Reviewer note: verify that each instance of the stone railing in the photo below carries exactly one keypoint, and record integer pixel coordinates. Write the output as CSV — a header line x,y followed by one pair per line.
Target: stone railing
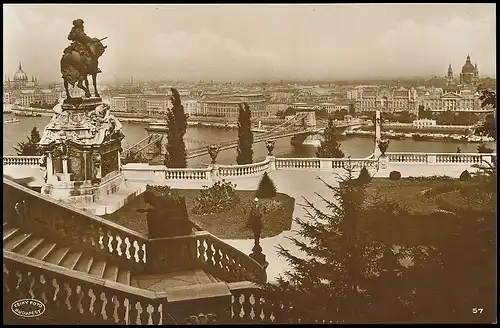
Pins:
x,y
188,174
226,262
24,206
22,160
297,163
202,249
467,159
72,297
243,170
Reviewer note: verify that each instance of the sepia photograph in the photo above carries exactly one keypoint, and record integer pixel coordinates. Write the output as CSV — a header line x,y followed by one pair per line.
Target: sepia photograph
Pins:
x,y
210,164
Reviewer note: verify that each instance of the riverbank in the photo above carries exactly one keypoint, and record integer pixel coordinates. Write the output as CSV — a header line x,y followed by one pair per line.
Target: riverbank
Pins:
x,y
420,136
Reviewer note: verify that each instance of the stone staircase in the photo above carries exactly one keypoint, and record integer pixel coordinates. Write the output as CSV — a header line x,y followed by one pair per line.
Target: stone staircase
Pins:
x,y
27,243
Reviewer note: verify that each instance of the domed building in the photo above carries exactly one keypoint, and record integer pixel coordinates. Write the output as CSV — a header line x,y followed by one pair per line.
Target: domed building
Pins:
x,y
20,76
470,73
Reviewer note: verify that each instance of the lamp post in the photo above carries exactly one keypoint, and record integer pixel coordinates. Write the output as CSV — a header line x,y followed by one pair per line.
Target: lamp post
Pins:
x,y
270,146
255,223
213,151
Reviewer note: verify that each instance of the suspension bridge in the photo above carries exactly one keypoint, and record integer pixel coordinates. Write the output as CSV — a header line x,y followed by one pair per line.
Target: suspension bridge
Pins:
x,y
153,147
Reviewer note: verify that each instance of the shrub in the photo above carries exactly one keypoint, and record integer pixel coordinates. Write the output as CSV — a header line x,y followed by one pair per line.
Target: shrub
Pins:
x,y
465,176
218,198
395,175
266,188
364,176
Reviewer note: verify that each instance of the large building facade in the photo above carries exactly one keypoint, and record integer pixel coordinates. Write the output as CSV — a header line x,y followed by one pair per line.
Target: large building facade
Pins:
x,y
24,91
227,105
386,100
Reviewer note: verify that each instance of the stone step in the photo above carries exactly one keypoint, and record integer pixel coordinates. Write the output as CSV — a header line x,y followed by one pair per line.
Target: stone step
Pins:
x,y
57,255
30,246
97,268
26,243
84,263
124,277
8,232
110,272
43,251
17,240
70,260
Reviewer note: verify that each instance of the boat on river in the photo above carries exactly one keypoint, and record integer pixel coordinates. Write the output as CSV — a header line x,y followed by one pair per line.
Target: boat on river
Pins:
x,y
28,114
14,120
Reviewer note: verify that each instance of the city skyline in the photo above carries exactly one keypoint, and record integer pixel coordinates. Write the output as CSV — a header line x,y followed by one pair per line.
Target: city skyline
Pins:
x,y
257,42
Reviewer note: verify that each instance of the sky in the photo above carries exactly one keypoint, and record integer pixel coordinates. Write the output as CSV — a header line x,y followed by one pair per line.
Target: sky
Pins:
x,y
256,42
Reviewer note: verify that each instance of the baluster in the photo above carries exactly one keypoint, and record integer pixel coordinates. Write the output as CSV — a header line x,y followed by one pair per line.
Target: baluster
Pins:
x,y
73,300
121,310
247,307
156,314
141,253
25,285
86,302
237,308
210,254
97,309
123,247
217,259
114,244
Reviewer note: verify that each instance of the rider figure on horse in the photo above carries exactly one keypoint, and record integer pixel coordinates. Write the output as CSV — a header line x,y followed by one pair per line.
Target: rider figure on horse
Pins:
x,y
81,42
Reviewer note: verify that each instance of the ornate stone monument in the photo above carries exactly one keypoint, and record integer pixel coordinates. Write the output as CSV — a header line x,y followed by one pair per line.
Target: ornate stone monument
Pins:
x,y
82,141
82,146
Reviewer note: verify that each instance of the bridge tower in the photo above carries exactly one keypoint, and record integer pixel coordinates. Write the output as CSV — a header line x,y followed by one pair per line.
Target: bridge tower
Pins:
x,y
82,145
309,120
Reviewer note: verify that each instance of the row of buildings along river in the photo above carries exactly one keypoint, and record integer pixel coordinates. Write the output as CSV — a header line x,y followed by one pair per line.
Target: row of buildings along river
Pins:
x,y
449,93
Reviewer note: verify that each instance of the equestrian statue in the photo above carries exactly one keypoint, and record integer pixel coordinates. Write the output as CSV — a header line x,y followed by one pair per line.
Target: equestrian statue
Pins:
x,y
80,59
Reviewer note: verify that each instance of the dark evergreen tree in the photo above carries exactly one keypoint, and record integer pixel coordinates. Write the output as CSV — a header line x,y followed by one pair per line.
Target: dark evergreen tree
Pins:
x,y
330,146
346,275
245,136
266,188
177,125
30,147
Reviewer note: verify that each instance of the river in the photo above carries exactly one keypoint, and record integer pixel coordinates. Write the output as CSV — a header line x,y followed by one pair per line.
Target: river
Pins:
x,y
357,147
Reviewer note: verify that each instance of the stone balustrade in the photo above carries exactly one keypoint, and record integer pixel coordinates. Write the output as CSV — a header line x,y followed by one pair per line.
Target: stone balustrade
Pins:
x,y
159,173
243,170
22,160
24,206
297,163
467,159
187,174
72,297
226,262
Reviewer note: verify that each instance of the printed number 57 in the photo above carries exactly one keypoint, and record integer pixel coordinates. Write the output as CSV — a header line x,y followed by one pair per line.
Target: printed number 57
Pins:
x,y
477,310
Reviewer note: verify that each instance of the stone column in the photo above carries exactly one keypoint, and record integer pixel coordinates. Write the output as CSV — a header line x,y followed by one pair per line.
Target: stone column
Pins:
x,y
65,165
272,163
378,134
50,168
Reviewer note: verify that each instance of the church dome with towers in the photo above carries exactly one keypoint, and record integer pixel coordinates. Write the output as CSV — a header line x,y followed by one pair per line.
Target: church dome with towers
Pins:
x,y
468,68
20,75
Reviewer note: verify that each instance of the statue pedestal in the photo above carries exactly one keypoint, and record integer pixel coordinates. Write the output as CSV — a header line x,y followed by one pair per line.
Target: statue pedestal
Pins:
x,y
258,256
80,192
82,145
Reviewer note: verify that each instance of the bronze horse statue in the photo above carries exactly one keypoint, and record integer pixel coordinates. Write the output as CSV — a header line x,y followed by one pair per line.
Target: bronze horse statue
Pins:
x,y
75,68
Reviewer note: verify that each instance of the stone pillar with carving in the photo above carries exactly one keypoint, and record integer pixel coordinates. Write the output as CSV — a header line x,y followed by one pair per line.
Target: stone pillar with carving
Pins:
x,y
378,133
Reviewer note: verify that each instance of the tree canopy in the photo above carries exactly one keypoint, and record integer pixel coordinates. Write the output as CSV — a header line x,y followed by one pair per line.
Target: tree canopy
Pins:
x,y
30,147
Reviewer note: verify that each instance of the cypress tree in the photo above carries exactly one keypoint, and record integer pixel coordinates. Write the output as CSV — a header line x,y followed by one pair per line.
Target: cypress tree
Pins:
x,y
177,125
245,136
